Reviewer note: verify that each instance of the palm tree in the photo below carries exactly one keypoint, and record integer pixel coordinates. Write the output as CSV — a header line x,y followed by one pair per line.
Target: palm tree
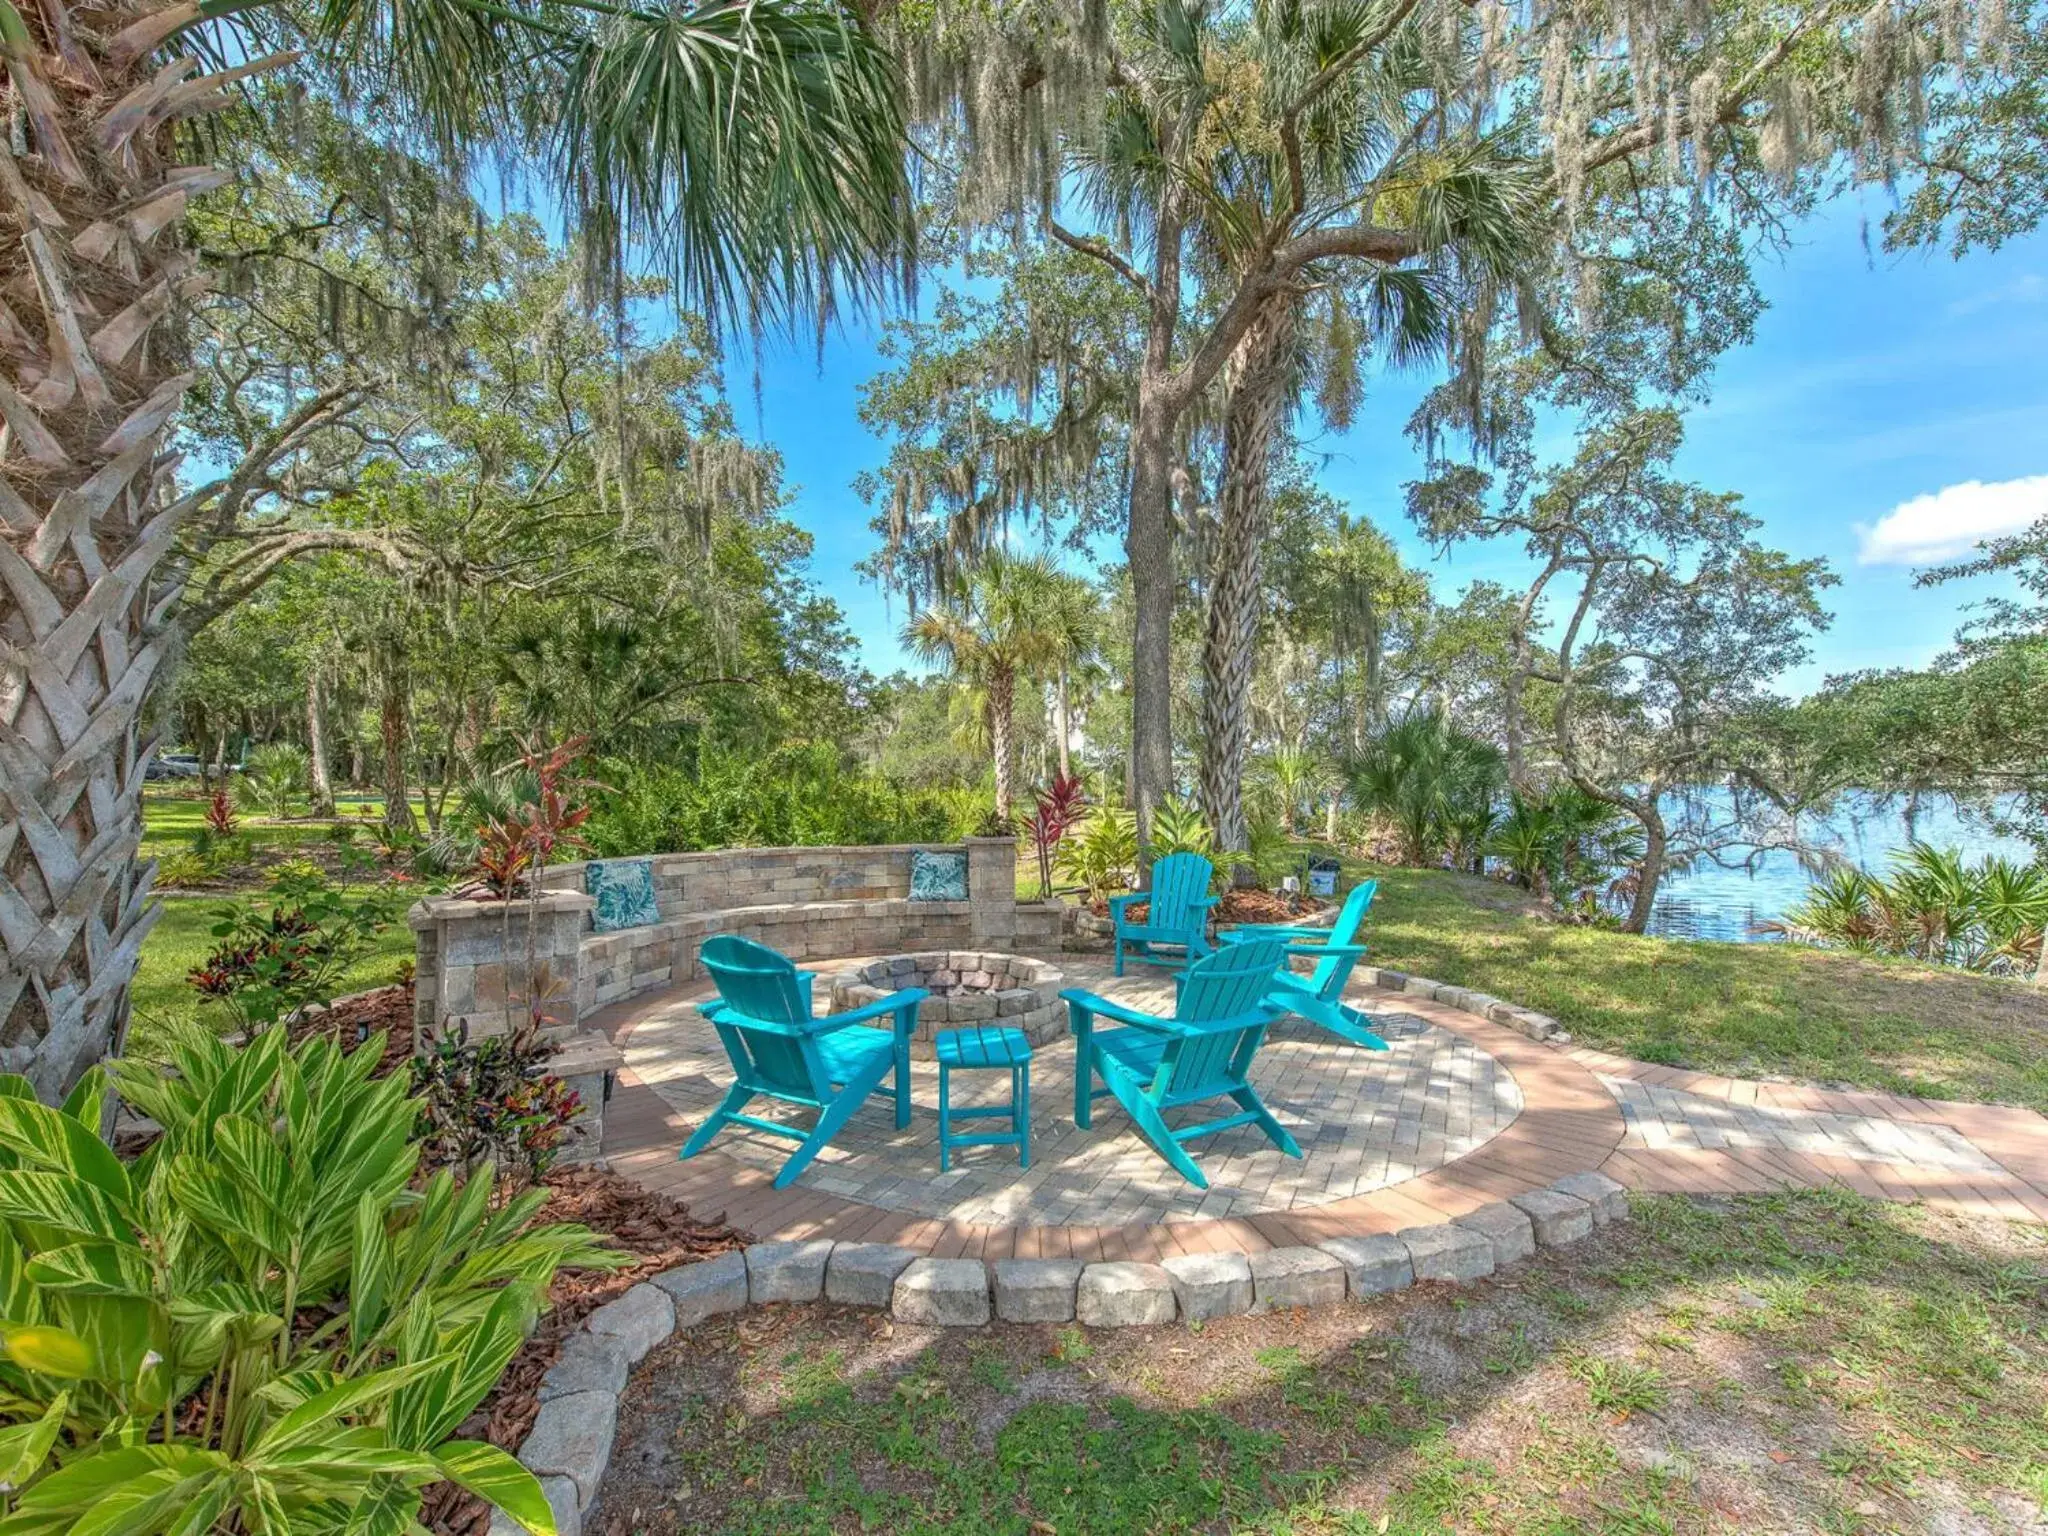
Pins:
x,y
753,150
994,629
1073,618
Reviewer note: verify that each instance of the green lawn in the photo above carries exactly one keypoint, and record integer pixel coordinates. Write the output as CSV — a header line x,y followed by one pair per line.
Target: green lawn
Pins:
x,y
182,938
171,818
1805,1362
1744,1009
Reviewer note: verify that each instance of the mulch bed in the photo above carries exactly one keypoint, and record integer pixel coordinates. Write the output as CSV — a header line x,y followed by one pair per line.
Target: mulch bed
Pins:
x,y
1235,907
353,1020
659,1230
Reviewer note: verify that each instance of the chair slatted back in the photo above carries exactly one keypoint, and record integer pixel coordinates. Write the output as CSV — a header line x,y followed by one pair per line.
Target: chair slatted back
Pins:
x,y
1179,881
1228,984
759,985
1332,971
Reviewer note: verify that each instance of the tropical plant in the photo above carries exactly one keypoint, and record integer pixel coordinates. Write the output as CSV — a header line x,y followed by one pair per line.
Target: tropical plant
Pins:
x,y
274,776
261,1323
1056,809
1529,842
514,848
992,630
1102,855
1427,779
1179,827
220,814
755,151
1932,907
492,1101
277,956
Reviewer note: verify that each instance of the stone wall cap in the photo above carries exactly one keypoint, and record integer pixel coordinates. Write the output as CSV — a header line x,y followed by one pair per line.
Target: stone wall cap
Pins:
x,y
442,909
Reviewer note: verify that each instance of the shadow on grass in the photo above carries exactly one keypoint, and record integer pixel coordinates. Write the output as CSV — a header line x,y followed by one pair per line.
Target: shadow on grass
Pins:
x,y
1798,1362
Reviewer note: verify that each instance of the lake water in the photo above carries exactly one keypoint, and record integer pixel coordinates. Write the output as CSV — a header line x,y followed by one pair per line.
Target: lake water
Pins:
x,y
1726,904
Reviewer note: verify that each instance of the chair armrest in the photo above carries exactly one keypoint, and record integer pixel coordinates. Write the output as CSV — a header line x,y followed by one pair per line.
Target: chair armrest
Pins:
x,y
909,997
1204,901
1103,1008
1302,931
1317,951
1118,903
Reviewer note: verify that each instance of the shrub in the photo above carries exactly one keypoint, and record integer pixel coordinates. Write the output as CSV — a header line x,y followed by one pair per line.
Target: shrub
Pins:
x,y
1055,809
1932,908
1102,854
259,1323
220,814
492,1100
792,797
275,775
271,963
1178,827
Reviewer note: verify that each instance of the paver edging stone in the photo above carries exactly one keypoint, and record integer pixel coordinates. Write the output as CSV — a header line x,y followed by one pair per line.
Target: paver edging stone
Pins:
x,y
570,1445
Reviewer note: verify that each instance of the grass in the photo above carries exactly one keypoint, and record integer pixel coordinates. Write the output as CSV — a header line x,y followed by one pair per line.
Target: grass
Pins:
x,y
1743,1009
183,937
1799,1362
171,818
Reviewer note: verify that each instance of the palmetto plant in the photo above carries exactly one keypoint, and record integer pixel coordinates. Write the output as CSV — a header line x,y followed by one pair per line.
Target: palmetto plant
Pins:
x,y
1932,907
1101,854
1428,780
1178,827
273,777
751,148
261,1324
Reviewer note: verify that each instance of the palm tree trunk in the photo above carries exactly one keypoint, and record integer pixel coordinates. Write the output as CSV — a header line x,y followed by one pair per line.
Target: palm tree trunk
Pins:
x,y
1148,544
318,780
1252,421
87,517
1002,702
1063,713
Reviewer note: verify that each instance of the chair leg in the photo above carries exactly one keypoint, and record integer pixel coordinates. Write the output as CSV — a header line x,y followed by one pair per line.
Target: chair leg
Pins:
x,y
945,1119
1248,1098
1119,954
1084,1074
1020,1113
1152,1125
831,1122
904,1025
734,1101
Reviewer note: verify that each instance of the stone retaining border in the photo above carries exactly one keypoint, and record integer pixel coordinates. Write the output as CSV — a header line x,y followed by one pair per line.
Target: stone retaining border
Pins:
x,y
570,1444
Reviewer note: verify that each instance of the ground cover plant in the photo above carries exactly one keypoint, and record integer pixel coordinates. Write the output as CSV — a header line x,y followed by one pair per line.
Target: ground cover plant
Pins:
x,y
1806,1362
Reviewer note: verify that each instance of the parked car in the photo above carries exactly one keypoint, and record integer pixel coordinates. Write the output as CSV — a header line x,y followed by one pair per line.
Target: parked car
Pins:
x,y
172,765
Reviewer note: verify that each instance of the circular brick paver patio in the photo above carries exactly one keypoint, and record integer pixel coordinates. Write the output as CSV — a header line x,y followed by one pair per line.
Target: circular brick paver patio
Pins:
x,y
1365,1120
1530,1113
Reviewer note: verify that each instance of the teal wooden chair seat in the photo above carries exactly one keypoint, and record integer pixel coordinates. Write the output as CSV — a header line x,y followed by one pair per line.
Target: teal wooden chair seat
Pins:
x,y
1319,996
1176,911
985,1047
1154,1065
778,1051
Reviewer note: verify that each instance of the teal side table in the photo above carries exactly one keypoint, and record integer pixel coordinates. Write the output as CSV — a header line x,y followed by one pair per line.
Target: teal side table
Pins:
x,y
979,1046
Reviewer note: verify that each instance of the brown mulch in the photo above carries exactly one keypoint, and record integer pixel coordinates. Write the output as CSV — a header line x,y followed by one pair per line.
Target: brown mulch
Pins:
x,y
353,1020
1235,907
659,1230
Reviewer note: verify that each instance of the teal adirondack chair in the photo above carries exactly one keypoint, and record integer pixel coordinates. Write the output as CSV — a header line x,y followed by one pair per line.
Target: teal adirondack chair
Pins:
x,y
1177,911
763,1018
1203,1052
1336,951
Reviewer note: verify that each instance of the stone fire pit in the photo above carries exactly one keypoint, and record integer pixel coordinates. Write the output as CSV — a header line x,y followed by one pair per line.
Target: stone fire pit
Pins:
x,y
966,988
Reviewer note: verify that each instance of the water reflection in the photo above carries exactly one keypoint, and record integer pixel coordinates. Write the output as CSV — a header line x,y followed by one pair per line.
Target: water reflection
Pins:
x,y
1727,904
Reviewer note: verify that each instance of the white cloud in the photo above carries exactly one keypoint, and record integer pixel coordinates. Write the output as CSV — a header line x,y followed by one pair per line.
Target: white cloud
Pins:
x,y
1952,521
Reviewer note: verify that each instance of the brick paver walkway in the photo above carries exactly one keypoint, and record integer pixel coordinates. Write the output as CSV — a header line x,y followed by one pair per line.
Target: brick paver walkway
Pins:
x,y
1463,1111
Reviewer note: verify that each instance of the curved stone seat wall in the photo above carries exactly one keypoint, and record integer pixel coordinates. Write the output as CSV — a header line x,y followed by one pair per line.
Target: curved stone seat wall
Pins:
x,y
809,903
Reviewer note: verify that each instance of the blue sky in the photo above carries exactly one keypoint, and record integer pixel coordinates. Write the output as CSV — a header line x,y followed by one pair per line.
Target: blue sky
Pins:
x,y
1880,419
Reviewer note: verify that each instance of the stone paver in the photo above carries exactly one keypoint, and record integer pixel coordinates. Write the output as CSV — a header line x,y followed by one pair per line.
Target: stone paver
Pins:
x,y
952,1293
1448,1252
589,1362
572,1437
1373,1265
1367,1119
1035,1290
1507,1227
786,1271
1558,1218
1125,1295
1608,1197
639,1320
705,1289
1295,1277
864,1274
1210,1284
